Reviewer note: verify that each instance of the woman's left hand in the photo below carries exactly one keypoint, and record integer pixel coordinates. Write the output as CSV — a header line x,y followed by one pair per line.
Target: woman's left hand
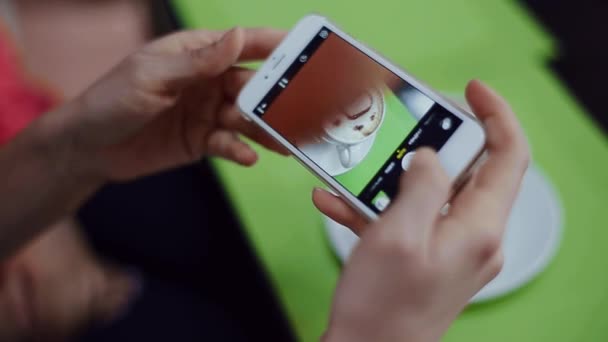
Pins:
x,y
170,104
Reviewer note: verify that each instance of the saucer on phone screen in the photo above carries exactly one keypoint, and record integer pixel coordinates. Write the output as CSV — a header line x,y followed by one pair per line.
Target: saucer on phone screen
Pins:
x,y
325,155
531,239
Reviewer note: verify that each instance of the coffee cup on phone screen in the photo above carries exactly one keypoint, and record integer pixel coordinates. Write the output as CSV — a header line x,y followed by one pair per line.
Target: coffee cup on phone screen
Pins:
x,y
359,122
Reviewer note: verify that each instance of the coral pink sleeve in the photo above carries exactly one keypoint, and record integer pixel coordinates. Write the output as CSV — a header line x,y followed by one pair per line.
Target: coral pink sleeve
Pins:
x,y
21,101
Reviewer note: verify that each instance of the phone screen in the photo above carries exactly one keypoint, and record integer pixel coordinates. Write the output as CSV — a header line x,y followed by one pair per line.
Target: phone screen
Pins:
x,y
354,118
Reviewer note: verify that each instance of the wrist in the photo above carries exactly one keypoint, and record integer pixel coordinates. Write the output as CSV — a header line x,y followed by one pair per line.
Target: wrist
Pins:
x,y
356,335
383,332
337,335
45,177
56,139
350,333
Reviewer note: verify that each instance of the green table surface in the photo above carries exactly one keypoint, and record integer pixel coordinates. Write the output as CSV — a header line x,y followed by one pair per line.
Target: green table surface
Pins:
x,y
569,301
400,29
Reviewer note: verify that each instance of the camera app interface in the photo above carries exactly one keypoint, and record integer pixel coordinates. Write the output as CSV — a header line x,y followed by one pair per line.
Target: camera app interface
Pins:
x,y
355,119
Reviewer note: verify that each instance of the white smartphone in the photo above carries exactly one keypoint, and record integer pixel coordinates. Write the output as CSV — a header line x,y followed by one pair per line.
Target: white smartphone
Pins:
x,y
352,117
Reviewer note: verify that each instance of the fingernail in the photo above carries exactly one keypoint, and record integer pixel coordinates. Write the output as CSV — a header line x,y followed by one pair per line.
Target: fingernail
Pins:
x,y
229,32
203,52
247,157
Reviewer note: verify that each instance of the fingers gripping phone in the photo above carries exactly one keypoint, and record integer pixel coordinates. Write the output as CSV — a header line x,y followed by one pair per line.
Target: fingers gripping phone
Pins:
x,y
352,117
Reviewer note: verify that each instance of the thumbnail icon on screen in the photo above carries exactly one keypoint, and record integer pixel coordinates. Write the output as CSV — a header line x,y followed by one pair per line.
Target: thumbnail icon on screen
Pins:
x,y
381,201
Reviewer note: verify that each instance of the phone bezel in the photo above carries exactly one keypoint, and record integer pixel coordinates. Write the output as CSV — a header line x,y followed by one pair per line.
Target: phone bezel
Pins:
x,y
457,156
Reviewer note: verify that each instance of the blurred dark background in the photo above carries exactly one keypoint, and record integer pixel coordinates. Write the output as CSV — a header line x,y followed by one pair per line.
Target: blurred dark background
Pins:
x,y
581,30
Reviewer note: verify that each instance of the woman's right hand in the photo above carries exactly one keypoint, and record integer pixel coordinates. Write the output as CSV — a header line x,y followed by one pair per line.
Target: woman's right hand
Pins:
x,y
415,269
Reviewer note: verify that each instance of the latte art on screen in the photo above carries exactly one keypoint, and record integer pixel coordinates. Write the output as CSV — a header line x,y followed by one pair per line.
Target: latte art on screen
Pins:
x,y
358,120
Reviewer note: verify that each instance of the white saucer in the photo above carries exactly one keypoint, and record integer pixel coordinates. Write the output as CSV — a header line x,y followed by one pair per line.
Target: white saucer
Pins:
x,y
531,239
325,155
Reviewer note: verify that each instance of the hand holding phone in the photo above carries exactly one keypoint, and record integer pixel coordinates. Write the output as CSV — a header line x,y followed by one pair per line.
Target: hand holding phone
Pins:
x,y
395,151
414,269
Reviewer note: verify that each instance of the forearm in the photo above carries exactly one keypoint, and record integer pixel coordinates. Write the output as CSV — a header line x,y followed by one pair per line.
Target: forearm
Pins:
x,y
44,176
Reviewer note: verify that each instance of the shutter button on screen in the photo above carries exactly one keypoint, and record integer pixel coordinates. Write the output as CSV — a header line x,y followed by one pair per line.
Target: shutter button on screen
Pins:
x,y
407,160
